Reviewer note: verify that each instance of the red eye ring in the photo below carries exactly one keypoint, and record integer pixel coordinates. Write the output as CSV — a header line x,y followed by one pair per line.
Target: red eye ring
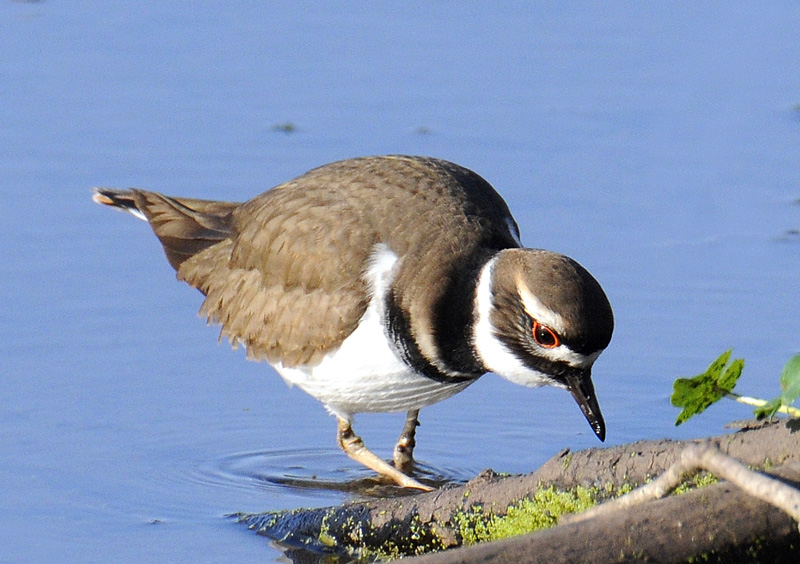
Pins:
x,y
544,336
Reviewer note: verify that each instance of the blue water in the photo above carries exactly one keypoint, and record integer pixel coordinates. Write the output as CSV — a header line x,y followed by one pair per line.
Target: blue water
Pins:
x,y
658,144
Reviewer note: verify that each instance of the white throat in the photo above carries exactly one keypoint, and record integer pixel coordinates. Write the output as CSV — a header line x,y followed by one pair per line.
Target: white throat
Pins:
x,y
493,353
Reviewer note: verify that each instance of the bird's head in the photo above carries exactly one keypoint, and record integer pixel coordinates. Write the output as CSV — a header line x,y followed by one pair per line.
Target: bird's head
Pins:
x,y
542,319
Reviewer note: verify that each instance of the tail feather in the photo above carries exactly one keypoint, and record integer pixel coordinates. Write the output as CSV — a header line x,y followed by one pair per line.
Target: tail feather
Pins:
x,y
115,198
185,226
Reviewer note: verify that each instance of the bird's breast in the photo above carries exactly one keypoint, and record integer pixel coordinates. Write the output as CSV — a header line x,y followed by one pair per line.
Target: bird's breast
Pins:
x,y
366,375
370,370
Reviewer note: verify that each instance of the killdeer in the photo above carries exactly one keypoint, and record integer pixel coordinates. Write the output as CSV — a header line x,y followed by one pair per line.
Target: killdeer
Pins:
x,y
384,284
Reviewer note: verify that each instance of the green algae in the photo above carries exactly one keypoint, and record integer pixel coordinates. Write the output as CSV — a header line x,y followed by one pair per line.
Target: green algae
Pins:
x,y
699,480
358,540
527,515
479,524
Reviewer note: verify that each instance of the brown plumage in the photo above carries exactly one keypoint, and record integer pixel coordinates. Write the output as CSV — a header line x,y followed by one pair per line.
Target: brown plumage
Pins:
x,y
291,273
272,267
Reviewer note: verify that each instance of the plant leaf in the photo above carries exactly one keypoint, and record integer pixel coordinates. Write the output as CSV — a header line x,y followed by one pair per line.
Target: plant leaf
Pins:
x,y
715,368
790,380
768,410
695,394
728,380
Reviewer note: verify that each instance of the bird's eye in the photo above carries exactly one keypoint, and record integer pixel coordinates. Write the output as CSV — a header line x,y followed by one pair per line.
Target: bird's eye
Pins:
x,y
544,336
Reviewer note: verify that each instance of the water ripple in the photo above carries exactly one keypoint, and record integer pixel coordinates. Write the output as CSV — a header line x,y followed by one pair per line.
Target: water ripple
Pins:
x,y
322,470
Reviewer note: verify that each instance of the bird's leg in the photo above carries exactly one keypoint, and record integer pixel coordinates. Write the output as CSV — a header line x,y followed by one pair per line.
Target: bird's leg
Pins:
x,y
355,449
404,449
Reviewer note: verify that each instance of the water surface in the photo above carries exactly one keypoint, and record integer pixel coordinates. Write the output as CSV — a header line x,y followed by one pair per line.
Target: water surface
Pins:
x,y
658,145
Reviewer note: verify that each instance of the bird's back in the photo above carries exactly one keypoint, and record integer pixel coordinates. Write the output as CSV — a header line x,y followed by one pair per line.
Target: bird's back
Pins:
x,y
283,272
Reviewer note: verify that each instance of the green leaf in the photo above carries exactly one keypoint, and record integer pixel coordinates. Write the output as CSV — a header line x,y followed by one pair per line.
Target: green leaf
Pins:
x,y
790,380
729,379
695,394
768,410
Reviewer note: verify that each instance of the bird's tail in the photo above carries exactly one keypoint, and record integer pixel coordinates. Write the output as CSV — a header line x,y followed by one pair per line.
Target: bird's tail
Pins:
x,y
185,226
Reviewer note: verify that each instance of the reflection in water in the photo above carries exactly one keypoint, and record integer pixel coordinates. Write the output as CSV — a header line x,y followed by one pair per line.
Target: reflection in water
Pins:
x,y
316,469
310,469
282,529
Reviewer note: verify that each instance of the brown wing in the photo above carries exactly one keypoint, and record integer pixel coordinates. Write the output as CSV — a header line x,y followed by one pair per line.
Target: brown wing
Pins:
x,y
288,282
283,272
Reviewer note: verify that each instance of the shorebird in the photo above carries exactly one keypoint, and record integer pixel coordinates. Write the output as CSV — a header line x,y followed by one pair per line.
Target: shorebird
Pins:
x,y
384,284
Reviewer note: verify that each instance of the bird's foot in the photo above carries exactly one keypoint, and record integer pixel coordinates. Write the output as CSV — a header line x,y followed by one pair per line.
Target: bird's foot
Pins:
x,y
404,449
355,449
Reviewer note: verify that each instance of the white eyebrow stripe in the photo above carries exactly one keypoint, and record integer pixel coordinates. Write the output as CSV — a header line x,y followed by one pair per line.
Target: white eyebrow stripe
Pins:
x,y
546,316
540,312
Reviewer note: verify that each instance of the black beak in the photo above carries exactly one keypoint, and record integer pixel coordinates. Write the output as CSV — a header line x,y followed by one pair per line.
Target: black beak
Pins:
x,y
581,387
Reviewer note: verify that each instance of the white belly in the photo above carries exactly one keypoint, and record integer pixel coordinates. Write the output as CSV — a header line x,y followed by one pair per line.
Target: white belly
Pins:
x,y
365,374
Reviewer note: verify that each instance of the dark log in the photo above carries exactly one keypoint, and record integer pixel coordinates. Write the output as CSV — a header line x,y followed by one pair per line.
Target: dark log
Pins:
x,y
718,523
424,522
